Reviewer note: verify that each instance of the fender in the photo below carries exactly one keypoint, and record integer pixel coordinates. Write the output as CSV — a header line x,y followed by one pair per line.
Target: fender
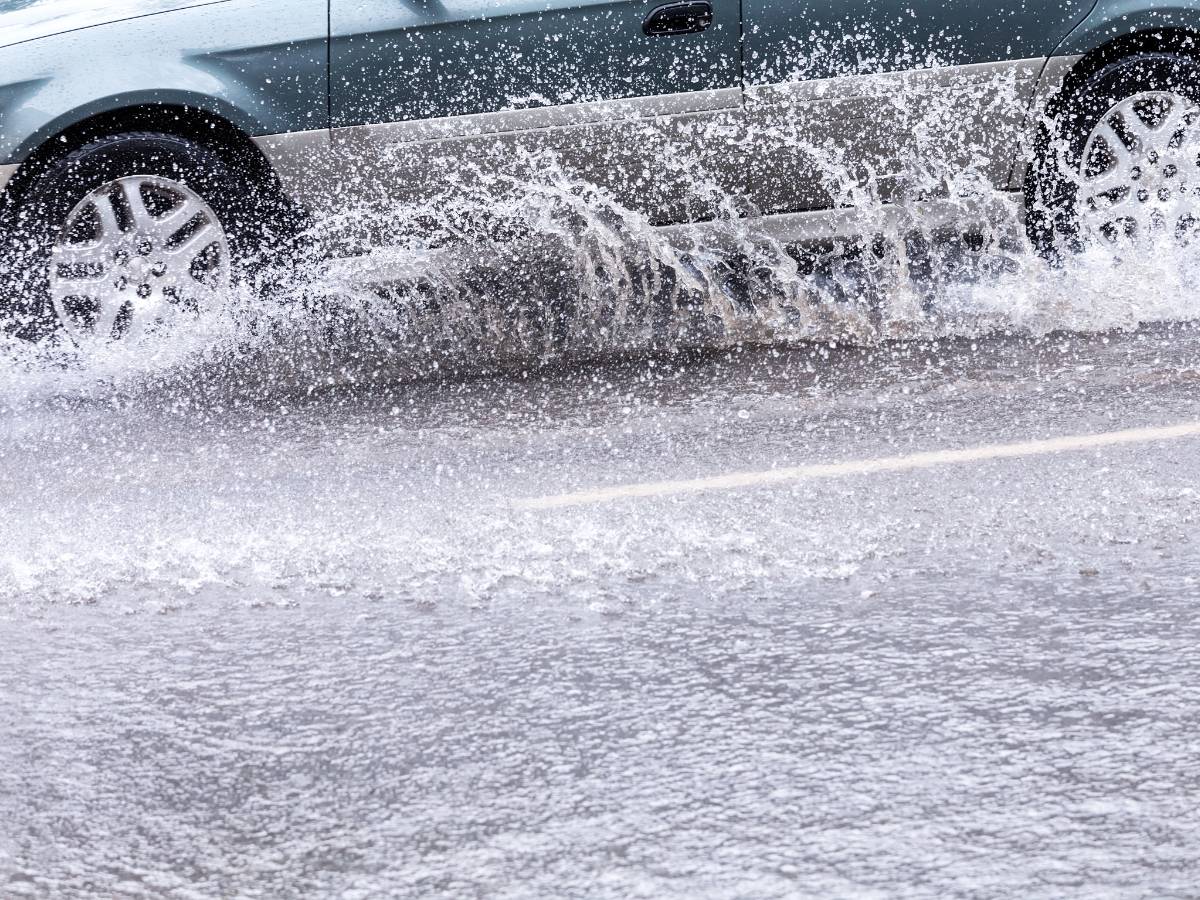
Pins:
x,y
261,67
1113,19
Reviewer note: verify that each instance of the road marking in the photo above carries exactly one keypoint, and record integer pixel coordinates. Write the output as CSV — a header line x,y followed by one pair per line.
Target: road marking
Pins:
x,y
926,460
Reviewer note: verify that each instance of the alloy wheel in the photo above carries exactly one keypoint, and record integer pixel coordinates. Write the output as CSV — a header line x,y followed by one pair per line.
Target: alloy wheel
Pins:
x,y
1140,170
134,255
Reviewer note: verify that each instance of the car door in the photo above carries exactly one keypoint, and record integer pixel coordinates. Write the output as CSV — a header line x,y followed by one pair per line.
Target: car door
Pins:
x,y
908,91
420,87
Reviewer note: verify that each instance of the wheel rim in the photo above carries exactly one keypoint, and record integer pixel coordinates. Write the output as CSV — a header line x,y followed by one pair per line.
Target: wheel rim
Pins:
x,y
1140,175
135,254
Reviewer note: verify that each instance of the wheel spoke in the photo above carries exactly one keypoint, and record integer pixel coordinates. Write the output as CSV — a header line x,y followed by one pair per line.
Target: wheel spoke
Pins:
x,y
170,224
61,289
106,213
1115,145
1173,121
204,236
1107,210
1106,181
144,313
1135,126
111,304
201,294
78,255
132,189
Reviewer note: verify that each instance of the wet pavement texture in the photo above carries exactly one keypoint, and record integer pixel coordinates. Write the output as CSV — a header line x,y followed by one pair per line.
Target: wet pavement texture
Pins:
x,y
302,643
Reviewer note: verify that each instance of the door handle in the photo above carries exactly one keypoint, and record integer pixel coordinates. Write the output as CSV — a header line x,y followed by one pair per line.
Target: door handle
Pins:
x,y
686,17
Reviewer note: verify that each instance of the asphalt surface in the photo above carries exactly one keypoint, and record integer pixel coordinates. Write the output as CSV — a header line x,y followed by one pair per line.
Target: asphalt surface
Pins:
x,y
315,642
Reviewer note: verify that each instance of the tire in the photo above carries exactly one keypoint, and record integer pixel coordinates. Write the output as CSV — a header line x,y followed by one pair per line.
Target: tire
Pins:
x,y
1060,206
243,215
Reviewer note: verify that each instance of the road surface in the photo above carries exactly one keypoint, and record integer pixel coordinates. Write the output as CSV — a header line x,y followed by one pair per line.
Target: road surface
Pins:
x,y
388,639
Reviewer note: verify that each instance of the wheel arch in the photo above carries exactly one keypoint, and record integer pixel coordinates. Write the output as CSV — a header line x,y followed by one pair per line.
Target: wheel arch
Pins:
x,y
1097,42
202,120
1178,39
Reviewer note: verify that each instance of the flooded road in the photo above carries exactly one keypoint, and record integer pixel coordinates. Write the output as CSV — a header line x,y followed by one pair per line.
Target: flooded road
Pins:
x,y
310,642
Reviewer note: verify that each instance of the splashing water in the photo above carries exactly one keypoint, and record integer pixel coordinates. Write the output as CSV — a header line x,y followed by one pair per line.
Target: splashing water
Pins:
x,y
537,265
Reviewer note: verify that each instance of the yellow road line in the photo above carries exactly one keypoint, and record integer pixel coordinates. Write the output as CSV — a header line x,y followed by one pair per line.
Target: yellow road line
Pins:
x,y
736,480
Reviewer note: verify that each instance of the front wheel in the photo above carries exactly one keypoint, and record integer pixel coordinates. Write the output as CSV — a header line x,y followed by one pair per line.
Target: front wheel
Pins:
x,y
131,234
1121,161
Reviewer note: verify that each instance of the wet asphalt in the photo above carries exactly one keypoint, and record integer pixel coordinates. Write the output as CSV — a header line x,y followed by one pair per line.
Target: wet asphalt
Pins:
x,y
307,643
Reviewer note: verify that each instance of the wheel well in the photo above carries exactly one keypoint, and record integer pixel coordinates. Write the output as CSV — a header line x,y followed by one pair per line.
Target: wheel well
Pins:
x,y
1166,40
212,131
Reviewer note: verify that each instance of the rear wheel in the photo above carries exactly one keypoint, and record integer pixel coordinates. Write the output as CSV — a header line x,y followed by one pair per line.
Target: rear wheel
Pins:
x,y
1122,164
131,234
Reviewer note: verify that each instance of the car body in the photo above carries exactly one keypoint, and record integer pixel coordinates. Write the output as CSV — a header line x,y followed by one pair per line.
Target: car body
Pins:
x,y
336,100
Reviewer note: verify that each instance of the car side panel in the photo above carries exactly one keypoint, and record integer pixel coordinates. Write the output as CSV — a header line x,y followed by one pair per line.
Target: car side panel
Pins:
x,y
260,63
801,40
423,91
28,20
859,101
399,60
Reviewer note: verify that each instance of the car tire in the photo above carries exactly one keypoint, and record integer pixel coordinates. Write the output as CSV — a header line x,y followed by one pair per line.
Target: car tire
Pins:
x,y
142,164
1058,207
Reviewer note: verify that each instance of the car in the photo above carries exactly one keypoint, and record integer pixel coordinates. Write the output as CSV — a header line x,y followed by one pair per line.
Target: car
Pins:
x,y
150,149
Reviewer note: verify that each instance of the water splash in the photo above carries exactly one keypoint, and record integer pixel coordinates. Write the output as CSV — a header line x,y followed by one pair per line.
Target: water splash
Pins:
x,y
537,265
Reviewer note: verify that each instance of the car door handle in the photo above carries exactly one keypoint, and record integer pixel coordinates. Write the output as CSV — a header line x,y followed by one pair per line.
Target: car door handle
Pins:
x,y
687,17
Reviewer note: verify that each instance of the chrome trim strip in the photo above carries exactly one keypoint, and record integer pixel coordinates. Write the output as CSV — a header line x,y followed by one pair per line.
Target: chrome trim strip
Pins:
x,y
284,147
844,87
305,166
7,172
540,118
